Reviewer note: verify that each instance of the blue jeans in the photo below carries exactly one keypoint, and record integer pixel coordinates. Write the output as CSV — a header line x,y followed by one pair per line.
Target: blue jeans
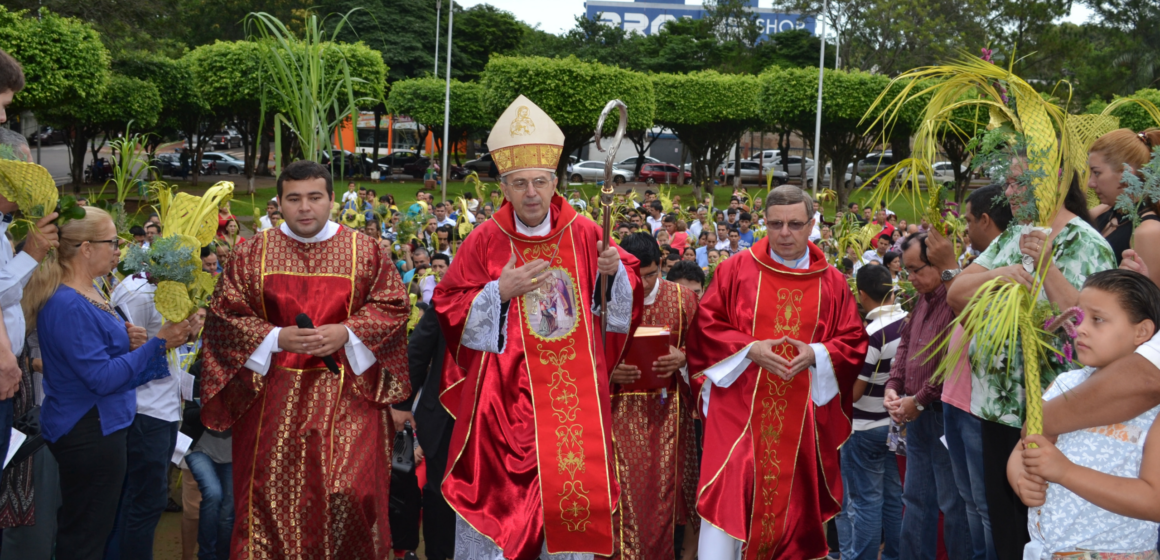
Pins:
x,y
216,521
930,488
964,434
872,498
146,490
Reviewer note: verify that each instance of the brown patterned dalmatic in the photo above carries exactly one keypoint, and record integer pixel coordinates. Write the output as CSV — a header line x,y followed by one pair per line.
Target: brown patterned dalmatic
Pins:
x,y
656,455
311,448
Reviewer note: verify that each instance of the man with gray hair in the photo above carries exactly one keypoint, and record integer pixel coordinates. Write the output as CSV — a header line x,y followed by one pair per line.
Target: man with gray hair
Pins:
x,y
533,467
775,349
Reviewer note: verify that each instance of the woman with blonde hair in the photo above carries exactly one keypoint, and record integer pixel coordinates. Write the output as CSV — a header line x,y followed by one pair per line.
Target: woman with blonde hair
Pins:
x,y
1106,159
93,363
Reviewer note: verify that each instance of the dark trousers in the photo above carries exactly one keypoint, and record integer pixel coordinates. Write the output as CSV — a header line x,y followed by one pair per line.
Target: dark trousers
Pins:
x,y
405,510
438,517
1008,514
6,419
92,470
149,447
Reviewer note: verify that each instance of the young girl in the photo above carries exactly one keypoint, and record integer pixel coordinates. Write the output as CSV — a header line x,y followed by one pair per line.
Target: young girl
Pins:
x,y
1095,493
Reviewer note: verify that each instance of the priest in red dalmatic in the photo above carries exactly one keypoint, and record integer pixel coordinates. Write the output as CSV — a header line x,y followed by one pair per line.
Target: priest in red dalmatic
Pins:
x,y
531,469
777,344
311,443
652,427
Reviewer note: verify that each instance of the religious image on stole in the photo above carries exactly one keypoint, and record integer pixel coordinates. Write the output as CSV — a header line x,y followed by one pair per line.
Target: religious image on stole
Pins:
x,y
551,308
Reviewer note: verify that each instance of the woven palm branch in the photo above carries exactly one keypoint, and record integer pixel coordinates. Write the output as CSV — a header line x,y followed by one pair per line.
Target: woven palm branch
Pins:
x,y
30,186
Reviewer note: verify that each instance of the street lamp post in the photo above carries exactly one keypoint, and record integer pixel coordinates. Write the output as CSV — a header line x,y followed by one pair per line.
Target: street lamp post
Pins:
x,y
438,10
447,98
818,121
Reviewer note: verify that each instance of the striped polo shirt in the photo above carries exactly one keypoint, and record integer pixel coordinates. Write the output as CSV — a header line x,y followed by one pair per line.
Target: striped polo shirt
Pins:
x,y
885,332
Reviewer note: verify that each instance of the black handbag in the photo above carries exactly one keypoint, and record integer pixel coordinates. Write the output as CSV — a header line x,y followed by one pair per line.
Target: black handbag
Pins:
x,y
403,452
29,425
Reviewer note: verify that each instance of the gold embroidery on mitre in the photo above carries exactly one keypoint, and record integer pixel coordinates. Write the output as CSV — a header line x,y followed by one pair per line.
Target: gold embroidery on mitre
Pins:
x,y
526,156
522,125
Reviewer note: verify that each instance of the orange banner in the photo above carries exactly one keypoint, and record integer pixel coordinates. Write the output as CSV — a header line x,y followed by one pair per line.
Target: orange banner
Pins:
x,y
571,447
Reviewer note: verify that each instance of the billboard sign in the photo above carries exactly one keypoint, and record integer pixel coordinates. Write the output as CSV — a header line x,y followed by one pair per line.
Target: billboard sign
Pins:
x,y
647,17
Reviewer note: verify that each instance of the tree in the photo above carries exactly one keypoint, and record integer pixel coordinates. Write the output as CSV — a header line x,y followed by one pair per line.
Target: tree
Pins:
x,y
572,92
480,32
122,24
1139,23
403,31
1134,116
174,83
422,99
789,98
125,100
708,112
63,58
228,78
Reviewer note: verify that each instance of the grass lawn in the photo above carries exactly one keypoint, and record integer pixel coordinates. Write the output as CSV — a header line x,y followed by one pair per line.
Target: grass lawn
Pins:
x,y
404,193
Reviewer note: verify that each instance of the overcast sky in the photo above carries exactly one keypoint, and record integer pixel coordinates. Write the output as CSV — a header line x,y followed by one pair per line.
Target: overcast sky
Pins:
x,y
557,16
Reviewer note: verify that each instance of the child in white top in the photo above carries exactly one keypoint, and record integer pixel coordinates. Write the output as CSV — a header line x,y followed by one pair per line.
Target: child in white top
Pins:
x,y
1098,489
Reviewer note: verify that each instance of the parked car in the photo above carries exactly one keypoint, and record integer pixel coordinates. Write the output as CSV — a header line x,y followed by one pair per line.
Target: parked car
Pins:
x,y
662,173
874,163
481,165
854,181
751,171
226,140
224,163
47,135
399,158
418,169
594,171
630,163
365,164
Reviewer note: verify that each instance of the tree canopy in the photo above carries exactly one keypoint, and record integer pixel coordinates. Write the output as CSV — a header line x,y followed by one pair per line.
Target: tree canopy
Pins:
x,y
422,99
64,60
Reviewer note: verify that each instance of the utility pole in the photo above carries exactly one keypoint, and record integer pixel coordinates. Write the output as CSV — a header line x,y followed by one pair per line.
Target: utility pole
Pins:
x,y
447,97
438,10
818,122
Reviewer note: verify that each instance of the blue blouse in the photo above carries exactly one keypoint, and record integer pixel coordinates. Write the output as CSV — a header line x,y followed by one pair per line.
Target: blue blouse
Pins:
x,y
87,363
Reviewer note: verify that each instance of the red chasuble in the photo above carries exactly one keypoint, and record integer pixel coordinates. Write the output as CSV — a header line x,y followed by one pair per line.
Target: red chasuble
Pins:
x,y
656,451
770,470
531,453
311,449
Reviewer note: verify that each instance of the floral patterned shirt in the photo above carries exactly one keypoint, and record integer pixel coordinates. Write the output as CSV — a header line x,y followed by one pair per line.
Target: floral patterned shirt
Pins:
x,y
996,390
1066,522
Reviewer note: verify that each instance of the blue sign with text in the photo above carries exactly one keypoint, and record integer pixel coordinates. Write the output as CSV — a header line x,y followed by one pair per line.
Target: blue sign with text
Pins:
x,y
647,17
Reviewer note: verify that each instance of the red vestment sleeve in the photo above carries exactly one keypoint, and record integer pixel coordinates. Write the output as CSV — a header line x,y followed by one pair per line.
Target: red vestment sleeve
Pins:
x,y
233,331
453,298
381,325
713,336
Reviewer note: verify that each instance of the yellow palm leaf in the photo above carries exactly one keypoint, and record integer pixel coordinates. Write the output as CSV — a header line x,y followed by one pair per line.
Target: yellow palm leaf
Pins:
x,y
30,186
172,301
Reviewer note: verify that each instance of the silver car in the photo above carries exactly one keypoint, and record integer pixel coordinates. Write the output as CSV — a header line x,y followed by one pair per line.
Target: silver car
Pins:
x,y
593,171
224,162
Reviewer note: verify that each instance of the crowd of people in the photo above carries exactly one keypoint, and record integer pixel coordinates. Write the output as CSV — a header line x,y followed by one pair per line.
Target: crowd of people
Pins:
x,y
753,381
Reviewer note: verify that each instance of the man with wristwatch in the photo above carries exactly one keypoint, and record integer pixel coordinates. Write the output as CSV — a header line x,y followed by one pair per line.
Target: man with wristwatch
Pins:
x,y
913,398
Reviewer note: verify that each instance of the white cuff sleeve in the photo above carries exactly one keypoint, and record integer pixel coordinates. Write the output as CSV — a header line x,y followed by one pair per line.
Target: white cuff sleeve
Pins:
x,y
725,372
357,354
485,321
1151,350
823,383
620,304
260,360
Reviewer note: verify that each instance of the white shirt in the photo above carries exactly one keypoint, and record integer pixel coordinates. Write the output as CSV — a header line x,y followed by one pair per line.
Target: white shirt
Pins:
x,y
160,398
655,224
823,382
447,221
349,196
816,233
15,270
427,287
265,223
694,231
360,357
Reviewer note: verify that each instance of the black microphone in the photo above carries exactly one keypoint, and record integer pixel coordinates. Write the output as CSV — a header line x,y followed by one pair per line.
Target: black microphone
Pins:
x,y
304,322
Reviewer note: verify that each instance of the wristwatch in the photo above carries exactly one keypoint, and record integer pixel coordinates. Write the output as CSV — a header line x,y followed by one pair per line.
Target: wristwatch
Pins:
x,y
917,404
948,275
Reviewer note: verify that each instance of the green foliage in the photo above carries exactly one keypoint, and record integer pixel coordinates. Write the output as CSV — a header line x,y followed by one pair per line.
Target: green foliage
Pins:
x,y
423,99
403,31
174,79
708,111
572,92
1134,116
228,76
789,98
166,259
63,58
1142,193
367,68
480,32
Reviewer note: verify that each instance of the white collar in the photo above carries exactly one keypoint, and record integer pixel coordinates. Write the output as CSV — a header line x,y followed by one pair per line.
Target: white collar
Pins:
x,y
799,264
328,231
652,296
881,310
541,230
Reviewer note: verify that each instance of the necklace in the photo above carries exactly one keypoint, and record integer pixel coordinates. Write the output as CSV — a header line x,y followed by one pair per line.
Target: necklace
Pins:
x,y
102,305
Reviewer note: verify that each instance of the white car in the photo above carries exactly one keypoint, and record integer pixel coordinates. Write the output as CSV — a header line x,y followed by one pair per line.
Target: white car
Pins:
x,y
751,172
593,171
809,179
630,163
224,162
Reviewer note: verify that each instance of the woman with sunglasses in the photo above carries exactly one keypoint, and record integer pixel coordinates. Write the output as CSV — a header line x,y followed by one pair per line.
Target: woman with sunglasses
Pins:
x,y
93,363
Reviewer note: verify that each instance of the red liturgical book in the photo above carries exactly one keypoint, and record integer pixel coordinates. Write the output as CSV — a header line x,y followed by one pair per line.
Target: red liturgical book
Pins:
x,y
649,344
